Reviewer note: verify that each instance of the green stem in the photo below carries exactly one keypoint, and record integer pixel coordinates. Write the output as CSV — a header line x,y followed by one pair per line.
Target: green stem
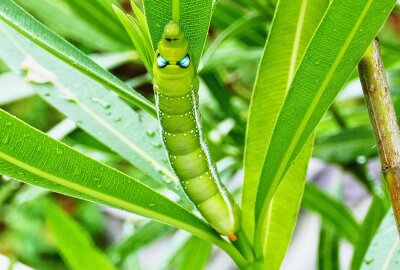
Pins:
x,y
244,246
383,117
176,10
338,116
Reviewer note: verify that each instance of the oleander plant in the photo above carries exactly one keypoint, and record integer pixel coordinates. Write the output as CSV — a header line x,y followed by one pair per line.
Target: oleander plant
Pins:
x,y
196,134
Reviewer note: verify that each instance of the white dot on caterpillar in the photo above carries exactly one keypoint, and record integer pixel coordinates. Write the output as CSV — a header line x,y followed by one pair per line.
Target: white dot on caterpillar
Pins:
x,y
201,177
184,134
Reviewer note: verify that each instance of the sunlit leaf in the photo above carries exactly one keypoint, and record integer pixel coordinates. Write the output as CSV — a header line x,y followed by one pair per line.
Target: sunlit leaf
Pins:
x,y
345,32
74,243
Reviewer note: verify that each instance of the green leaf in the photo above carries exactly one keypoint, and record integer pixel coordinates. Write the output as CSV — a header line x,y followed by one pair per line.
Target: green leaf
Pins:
x,y
50,164
195,19
194,254
357,142
75,245
188,253
145,235
292,27
332,211
372,220
24,23
384,251
95,109
345,32
239,26
328,248
16,88
72,25
283,211
139,34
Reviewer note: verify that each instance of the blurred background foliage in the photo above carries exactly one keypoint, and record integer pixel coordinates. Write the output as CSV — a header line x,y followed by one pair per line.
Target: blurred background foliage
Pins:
x,y
344,196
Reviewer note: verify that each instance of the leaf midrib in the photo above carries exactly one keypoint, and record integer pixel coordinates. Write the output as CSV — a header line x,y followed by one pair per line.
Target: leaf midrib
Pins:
x,y
293,61
315,101
392,251
93,115
296,44
124,92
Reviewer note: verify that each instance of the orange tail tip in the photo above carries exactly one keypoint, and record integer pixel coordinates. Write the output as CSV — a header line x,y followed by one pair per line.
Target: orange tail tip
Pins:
x,y
232,236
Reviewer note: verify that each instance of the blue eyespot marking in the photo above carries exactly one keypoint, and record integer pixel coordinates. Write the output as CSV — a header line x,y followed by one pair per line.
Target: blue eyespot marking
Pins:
x,y
185,62
161,62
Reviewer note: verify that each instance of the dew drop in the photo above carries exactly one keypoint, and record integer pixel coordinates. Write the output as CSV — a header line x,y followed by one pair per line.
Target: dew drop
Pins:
x,y
105,104
118,119
156,144
361,159
368,261
8,123
70,97
167,179
150,133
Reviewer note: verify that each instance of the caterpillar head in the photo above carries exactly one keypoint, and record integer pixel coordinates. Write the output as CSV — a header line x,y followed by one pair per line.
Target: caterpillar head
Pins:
x,y
173,49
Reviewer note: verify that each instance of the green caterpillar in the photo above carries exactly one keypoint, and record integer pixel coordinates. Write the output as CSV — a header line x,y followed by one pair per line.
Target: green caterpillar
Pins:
x,y
176,92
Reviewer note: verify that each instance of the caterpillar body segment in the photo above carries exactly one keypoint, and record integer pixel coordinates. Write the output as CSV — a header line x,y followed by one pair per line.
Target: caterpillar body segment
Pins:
x,y
176,91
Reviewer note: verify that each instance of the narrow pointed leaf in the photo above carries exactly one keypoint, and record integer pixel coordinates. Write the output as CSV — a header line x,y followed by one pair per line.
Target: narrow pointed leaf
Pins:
x,y
283,210
145,235
384,251
139,36
376,213
345,32
195,19
24,23
95,109
75,245
49,164
13,88
292,27
332,211
73,26
328,248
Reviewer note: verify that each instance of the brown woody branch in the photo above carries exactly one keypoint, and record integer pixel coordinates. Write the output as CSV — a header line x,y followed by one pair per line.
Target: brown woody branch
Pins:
x,y
384,121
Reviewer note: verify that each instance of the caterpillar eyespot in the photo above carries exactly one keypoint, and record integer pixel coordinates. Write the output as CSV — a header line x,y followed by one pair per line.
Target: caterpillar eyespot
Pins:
x,y
176,91
185,62
161,62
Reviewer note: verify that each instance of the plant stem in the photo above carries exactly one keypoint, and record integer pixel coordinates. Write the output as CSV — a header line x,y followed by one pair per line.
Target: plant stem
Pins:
x,y
384,122
244,246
